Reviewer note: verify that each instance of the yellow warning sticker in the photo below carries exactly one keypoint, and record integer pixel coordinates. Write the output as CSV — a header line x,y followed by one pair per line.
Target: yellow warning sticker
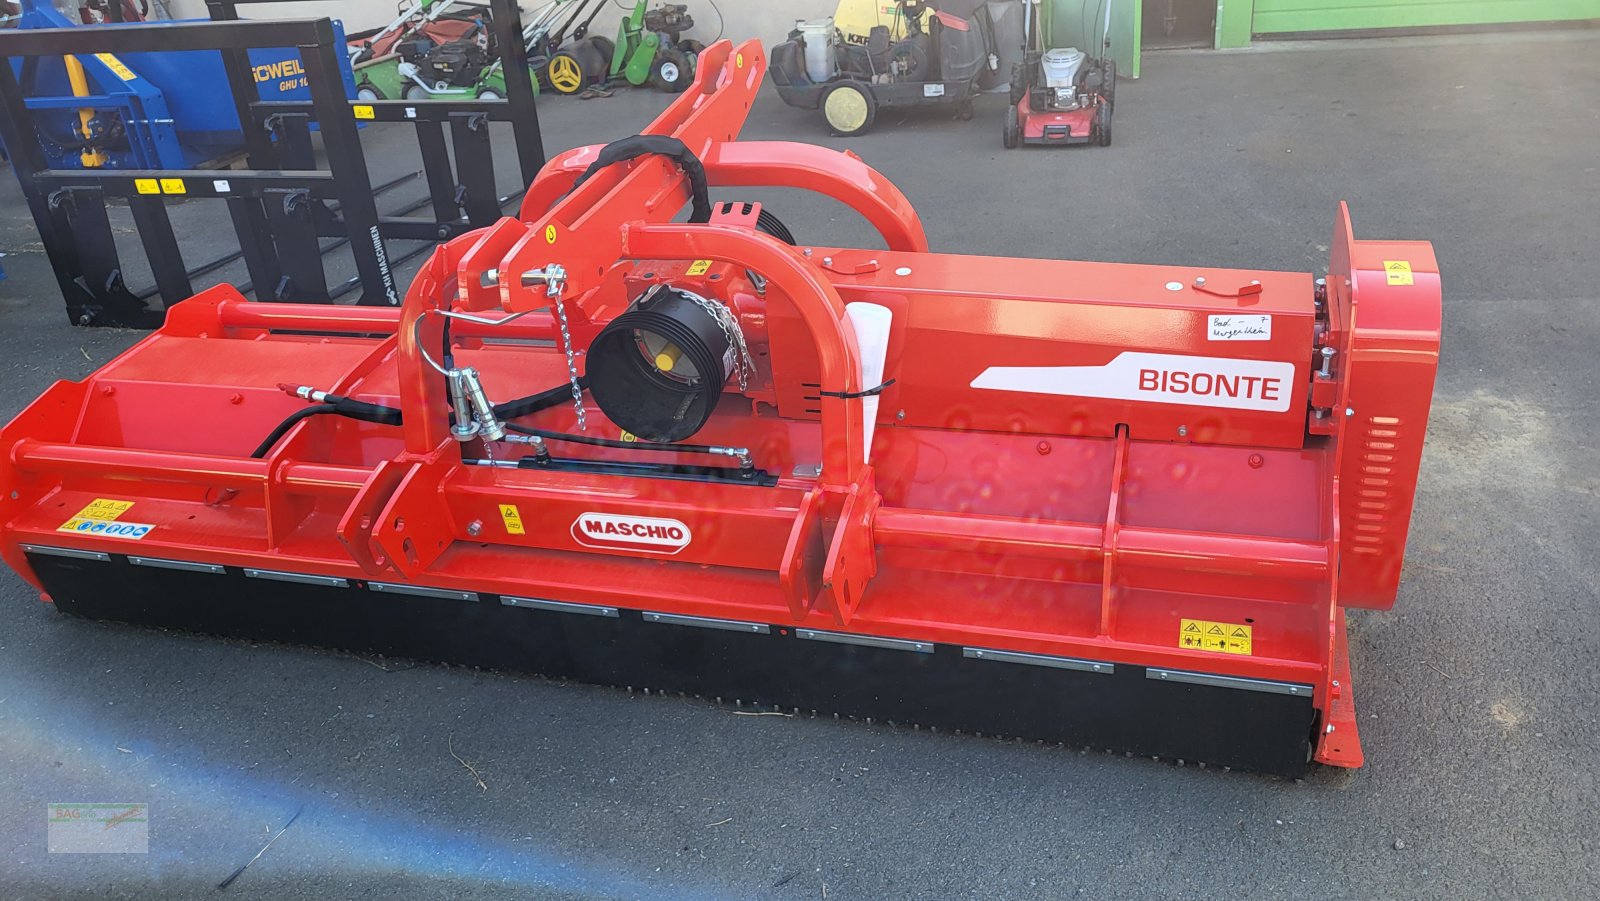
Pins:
x,y
738,60
103,509
115,65
1398,272
698,267
100,518
513,519
1205,635
362,111
629,436
173,186
549,234
147,186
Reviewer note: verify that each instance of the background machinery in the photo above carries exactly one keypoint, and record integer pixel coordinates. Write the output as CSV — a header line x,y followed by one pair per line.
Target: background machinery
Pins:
x,y
161,110
1061,96
937,60
444,48
649,50
1124,506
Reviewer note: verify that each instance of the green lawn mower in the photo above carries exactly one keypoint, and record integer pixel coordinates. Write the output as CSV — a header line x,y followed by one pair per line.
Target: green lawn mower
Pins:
x,y
649,49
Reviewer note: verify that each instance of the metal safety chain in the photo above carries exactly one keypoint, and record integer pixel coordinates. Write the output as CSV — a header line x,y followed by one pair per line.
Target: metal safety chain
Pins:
x,y
474,412
730,329
554,279
572,366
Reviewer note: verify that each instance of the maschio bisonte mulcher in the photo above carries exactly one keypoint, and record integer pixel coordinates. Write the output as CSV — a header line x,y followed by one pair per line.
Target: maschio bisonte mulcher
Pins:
x,y
1109,505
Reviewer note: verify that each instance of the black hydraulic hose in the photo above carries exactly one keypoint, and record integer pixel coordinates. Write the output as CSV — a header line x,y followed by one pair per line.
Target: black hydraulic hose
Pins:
x,y
385,415
364,411
533,403
288,423
612,442
624,149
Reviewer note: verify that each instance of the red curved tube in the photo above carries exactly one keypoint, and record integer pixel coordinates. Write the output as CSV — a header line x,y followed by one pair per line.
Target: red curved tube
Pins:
x,y
773,164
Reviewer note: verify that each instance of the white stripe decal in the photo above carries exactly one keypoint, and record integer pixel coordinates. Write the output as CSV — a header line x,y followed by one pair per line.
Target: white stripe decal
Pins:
x,y
1163,378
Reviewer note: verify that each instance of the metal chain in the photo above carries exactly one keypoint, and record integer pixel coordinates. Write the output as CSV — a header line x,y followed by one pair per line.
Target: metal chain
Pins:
x,y
730,329
572,366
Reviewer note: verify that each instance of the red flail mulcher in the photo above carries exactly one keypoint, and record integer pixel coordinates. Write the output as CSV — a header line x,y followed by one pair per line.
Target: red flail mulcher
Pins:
x,y
1122,506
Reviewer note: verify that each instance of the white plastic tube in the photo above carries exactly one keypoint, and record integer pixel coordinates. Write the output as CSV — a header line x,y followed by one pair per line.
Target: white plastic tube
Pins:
x,y
871,323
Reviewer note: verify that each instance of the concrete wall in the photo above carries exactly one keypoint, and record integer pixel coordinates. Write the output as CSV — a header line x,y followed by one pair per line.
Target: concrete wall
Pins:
x,y
768,20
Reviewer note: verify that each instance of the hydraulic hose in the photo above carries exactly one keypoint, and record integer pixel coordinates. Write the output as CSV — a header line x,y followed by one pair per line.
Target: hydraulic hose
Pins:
x,y
385,415
288,423
612,442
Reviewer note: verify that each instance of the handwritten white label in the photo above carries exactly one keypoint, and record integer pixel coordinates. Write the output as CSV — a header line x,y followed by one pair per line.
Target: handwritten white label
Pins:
x,y
1235,327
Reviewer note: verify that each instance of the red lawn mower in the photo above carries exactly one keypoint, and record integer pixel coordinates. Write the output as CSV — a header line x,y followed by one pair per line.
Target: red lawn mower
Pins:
x,y
1060,96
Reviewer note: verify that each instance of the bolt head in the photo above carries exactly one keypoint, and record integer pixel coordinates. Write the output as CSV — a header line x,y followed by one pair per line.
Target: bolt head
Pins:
x,y
474,527
1199,280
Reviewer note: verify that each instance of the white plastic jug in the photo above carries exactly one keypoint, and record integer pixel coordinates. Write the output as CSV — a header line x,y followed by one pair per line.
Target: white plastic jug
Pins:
x,y
818,34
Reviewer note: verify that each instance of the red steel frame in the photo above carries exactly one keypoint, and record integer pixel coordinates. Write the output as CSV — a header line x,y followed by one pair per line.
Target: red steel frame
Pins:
x,y
1083,528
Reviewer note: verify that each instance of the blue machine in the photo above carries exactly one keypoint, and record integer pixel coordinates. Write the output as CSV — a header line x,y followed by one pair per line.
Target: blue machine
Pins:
x,y
169,110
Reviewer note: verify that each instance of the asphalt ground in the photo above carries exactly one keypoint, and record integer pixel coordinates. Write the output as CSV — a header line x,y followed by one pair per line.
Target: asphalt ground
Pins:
x,y
1477,694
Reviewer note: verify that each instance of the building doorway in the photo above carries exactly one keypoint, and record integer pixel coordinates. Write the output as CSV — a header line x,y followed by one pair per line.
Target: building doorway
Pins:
x,y
1171,24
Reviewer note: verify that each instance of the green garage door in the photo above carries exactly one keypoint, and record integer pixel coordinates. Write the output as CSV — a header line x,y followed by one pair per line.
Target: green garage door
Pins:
x,y
1285,16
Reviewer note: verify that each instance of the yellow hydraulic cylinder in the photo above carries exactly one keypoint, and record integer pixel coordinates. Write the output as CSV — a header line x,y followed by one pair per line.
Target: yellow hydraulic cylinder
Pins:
x,y
92,157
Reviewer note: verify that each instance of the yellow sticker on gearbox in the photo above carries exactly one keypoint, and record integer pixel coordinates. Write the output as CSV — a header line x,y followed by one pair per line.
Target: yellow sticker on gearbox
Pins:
x,y
513,519
698,267
1205,635
1398,272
